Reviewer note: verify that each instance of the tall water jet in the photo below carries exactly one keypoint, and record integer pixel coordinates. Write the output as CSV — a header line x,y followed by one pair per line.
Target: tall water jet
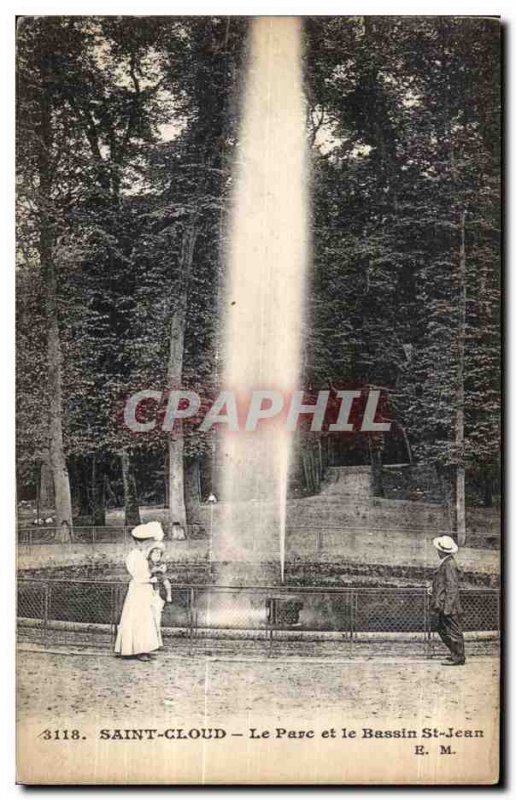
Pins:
x,y
267,261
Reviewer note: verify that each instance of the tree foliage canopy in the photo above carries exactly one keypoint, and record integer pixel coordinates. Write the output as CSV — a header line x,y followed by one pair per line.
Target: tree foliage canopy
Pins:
x,y
403,121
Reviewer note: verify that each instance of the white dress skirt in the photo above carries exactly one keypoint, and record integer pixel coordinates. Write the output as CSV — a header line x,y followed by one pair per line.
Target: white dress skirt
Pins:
x,y
139,630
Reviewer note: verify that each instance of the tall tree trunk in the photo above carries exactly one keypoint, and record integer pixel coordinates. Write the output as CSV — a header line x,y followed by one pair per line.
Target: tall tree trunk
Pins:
x,y
176,493
176,484
111,498
375,451
192,488
460,481
166,489
98,490
446,483
406,443
131,505
80,481
488,490
63,500
306,470
46,483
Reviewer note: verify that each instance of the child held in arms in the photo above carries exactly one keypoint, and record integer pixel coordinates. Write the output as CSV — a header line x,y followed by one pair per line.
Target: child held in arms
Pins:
x,y
158,570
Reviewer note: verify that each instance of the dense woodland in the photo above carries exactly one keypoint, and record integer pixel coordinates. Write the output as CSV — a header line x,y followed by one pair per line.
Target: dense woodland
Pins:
x,y
127,134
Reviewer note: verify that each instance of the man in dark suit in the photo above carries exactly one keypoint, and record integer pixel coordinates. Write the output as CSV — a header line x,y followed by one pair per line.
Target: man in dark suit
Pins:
x,y
446,601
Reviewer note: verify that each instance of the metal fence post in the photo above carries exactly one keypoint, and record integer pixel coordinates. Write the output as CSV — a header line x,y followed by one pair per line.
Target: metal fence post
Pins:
x,y
318,541
114,594
271,623
191,618
46,607
428,625
353,600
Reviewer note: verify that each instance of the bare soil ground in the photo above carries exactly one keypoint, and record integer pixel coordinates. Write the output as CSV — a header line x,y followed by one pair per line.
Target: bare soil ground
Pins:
x,y
196,689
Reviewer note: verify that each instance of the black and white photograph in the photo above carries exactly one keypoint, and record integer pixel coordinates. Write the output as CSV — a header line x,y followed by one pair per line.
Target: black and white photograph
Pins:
x,y
258,399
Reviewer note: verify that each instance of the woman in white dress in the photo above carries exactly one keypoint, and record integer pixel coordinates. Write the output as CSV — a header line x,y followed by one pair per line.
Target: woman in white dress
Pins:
x,y
139,631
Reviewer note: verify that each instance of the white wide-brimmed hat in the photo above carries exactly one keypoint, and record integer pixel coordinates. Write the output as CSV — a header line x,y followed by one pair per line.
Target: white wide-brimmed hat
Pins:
x,y
149,530
445,544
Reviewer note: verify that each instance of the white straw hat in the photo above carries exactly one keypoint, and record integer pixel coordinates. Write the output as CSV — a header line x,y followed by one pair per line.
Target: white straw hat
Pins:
x,y
149,530
445,544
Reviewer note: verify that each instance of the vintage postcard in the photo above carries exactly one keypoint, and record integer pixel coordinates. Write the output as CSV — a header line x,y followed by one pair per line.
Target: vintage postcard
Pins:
x,y
258,400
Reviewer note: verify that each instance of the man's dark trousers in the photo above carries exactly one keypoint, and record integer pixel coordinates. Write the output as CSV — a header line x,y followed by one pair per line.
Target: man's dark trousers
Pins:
x,y
450,631
446,602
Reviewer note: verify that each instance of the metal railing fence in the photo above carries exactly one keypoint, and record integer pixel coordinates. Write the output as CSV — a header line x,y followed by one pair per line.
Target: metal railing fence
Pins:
x,y
318,538
55,610
82,534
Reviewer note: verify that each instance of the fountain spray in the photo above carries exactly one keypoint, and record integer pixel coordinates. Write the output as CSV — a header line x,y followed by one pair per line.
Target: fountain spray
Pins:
x,y
264,299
